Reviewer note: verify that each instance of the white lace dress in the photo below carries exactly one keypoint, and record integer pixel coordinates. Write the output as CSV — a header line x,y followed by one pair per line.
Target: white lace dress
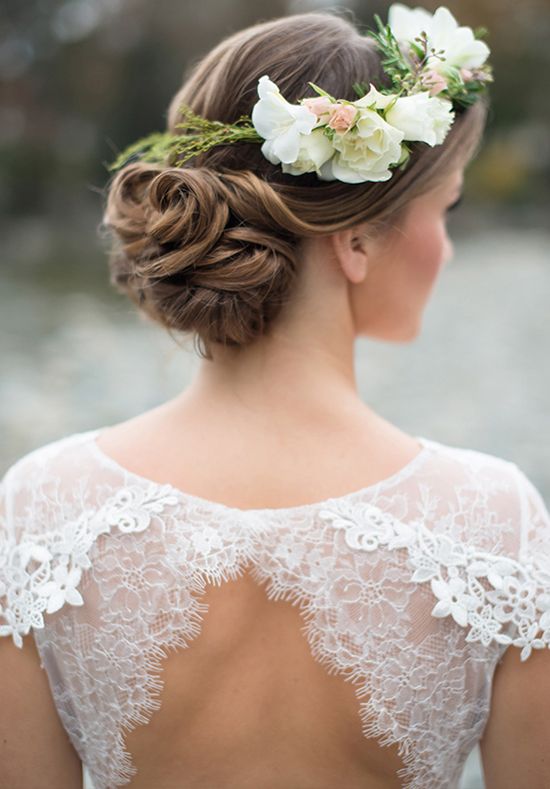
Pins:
x,y
411,588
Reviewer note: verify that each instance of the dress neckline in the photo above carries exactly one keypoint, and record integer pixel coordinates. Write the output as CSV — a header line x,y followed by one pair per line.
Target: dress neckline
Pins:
x,y
426,447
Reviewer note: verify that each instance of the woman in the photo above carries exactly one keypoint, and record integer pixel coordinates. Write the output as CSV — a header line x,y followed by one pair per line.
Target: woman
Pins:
x,y
211,605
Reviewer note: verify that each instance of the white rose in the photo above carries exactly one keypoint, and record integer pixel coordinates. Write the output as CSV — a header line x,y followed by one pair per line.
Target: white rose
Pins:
x,y
280,123
422,117
315,149
365,152
461,48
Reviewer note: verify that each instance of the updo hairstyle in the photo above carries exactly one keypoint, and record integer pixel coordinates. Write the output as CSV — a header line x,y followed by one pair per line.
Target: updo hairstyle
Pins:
x,y
212,248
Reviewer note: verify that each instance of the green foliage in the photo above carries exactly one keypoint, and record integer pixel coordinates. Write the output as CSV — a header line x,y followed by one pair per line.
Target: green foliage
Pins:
x,y
360,88
480,32
408,73
199,135
394,63
320,91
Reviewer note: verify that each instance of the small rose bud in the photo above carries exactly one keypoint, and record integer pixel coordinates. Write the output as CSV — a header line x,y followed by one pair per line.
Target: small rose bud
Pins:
x,y
319,105
342,117
435,81
466,74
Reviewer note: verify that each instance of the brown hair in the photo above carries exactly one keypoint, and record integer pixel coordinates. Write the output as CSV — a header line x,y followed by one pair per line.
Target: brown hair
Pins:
x,y
211,248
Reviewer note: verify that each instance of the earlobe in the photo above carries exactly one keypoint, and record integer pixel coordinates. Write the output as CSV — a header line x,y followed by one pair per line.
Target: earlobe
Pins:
x,y
351,254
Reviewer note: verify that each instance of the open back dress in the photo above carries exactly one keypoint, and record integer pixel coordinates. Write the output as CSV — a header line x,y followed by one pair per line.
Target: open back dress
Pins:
x,y
411,589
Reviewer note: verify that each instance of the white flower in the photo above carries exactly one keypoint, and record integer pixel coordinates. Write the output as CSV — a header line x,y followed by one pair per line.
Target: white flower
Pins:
x,y
12,628
206,540
365,152
461,48
62,588
422,117
32,550
453,600
315,149
375,100
528,638
291,553
128,511
514,600
280,123
495,570
483,626
407,23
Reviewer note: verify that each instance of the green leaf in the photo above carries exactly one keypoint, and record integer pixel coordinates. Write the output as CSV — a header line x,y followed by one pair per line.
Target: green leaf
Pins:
x,y
381,26
417,49
405,155
360,90
320,91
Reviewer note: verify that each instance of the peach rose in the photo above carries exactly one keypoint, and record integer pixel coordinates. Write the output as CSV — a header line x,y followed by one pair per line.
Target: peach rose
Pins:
x,y
342,117
434,81
466,74
319,105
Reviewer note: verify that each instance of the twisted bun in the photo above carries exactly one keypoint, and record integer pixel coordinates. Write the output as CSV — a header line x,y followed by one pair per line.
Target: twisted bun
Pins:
x,y
201,251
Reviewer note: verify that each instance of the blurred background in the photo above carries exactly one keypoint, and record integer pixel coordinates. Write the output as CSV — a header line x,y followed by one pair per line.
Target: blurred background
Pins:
x,y
80,79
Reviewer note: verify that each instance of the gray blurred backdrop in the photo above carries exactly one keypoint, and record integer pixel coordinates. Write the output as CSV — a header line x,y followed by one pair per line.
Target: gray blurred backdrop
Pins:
x,y
81,79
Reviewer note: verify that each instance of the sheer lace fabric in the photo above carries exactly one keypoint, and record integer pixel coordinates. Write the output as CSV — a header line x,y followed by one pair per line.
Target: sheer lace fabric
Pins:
x,y
411,589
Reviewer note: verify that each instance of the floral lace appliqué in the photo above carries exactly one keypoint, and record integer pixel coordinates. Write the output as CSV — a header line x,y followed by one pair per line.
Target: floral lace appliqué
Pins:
x,y
494,597
42,572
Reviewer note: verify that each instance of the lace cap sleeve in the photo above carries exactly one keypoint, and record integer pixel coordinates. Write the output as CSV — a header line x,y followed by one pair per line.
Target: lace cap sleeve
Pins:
x,y
526,595
535,523
35,547
8,572
20,607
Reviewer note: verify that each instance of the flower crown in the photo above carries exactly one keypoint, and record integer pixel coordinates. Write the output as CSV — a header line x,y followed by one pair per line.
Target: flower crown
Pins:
x,y
433,65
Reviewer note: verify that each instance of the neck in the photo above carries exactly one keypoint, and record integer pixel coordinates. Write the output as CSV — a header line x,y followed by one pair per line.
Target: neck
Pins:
x,y
304,366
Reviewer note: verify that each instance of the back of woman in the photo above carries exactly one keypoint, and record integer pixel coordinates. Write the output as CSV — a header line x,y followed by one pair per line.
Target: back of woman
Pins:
x,y
262,582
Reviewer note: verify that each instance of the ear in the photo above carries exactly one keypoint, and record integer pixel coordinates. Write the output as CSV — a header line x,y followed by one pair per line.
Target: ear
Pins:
x,y
350,250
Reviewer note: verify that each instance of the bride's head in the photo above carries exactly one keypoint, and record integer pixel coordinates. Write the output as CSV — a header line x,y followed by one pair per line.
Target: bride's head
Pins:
x,y
232,250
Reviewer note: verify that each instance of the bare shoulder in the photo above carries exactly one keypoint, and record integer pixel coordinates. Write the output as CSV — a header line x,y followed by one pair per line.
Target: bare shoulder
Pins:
x,y
515,747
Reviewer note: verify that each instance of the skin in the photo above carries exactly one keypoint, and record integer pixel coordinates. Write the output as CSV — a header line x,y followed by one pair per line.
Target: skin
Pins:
x,y
399,273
